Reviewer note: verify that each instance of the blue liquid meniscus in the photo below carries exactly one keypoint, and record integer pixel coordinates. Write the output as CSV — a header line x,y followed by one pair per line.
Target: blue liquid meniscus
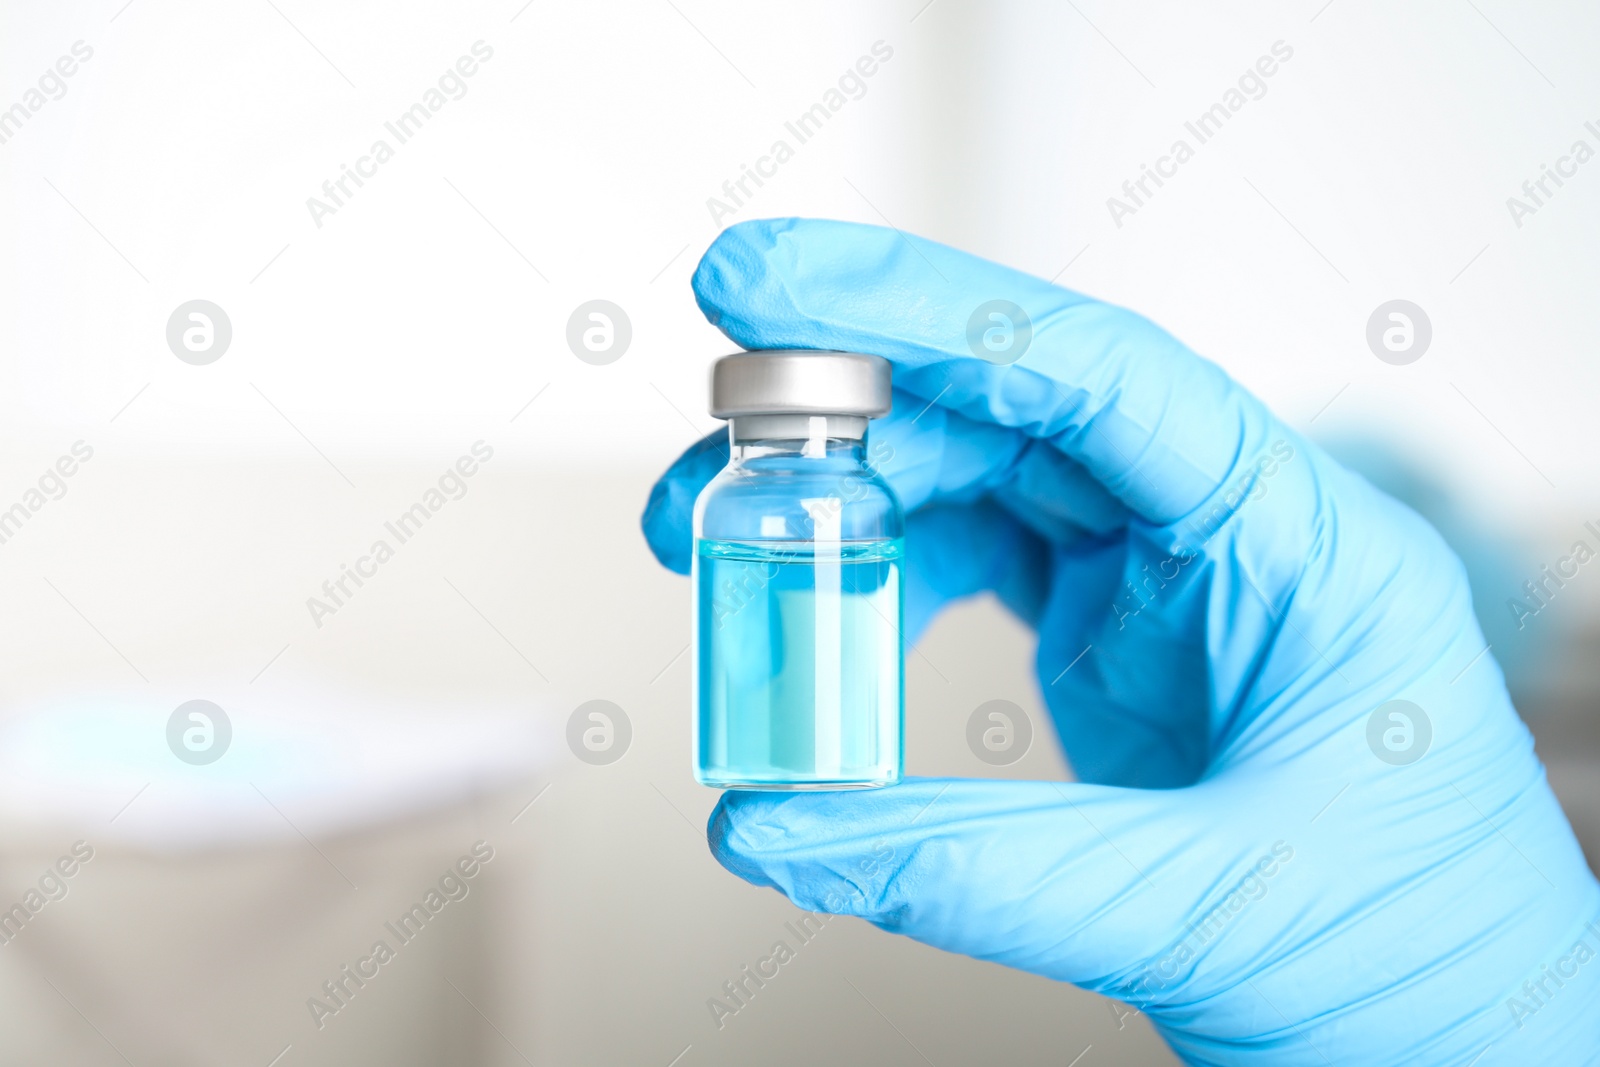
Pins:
x,y
800,680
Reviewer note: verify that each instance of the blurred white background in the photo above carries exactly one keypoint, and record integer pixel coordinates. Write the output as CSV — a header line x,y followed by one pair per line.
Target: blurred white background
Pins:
x,y
429,312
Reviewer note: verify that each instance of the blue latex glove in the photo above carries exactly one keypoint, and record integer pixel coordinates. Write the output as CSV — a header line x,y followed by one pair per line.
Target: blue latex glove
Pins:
x,y
1236,859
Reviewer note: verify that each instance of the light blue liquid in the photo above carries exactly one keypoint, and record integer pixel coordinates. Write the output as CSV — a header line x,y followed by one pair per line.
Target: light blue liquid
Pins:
x,y
800,670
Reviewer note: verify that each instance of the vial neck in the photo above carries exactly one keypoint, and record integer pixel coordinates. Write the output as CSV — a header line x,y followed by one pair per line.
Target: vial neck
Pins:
x,y
798,449
800,436
790,426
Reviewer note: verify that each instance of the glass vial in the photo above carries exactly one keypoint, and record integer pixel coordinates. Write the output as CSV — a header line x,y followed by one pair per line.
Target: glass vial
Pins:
x,y
798,658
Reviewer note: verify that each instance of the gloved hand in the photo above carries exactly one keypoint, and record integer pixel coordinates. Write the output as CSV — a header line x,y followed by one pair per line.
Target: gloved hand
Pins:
x,y
1246,856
